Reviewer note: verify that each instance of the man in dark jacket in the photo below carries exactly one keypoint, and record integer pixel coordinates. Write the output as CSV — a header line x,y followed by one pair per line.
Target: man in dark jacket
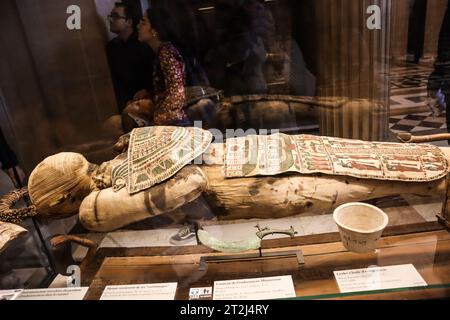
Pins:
x,y
130,61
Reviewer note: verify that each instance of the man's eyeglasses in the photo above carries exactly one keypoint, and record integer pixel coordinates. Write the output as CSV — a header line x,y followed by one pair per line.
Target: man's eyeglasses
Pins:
x,y
115,16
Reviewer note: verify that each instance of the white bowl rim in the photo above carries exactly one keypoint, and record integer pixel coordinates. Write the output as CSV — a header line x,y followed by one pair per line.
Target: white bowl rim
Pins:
x,y
384,215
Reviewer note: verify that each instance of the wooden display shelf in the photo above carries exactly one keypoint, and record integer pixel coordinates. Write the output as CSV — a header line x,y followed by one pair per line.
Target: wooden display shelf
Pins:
x,y
428,251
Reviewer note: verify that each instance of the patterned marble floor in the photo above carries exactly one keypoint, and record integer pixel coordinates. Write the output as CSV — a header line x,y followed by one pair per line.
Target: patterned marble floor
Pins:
x,y
418,123
408,109
409,88
409,76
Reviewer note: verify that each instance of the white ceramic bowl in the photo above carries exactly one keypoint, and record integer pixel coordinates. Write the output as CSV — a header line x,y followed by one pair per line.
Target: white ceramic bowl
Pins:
x,y
360,226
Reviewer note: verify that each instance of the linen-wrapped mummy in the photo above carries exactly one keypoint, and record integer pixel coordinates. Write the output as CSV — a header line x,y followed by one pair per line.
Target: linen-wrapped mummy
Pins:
x,y
58,185
248,177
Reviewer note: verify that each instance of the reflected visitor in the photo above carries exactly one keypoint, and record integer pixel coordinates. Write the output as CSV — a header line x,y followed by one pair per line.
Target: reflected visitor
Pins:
x,y
235,63
439,80
174,70
130,61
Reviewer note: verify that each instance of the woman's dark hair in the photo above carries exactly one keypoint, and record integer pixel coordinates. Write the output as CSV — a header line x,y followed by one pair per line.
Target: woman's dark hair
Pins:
x,y
165,25
169,31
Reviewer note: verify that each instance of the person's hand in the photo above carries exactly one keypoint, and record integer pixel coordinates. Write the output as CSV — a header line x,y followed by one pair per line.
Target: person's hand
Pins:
x,y
20,175
142,108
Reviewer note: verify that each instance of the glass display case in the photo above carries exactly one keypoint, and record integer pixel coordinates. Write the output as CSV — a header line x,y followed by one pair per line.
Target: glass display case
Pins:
x,y
188,143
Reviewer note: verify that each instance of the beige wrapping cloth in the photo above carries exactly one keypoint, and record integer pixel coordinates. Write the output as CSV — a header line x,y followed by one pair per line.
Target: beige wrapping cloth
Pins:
x,y
8,233
107,210
59,184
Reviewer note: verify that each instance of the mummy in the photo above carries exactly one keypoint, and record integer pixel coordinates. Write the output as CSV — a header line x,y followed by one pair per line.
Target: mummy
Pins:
x,y
67,184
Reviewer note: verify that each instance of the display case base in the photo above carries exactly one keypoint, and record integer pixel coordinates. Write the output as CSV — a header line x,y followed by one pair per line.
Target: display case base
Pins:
x,y
251,257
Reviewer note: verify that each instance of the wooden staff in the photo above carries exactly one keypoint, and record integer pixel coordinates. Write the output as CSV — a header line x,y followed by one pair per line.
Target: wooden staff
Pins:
x,y
407,137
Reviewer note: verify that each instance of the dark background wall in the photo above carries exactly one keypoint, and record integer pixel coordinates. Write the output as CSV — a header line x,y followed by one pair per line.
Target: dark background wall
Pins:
x,y
55,82
289,37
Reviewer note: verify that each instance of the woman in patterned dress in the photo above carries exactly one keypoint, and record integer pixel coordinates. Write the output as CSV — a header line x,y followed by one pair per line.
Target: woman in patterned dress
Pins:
x,y
170,75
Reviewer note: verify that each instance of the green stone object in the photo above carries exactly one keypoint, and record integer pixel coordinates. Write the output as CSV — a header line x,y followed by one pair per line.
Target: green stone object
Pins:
x,y
251,243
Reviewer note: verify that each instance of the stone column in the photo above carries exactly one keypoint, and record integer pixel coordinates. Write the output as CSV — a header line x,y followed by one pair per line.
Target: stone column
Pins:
x,y
399,30
353,67
434,18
